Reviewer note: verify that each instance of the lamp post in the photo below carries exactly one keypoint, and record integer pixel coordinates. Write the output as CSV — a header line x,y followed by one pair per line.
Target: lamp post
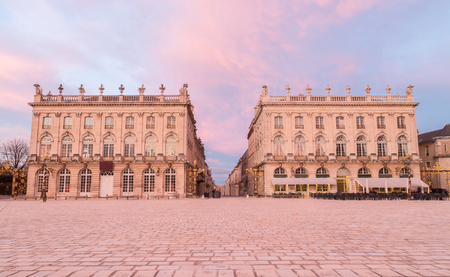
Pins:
x,y
408,168
46,177
255,171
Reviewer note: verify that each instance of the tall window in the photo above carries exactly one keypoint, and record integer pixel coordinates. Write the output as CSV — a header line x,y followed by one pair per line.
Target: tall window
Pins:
x,y
341,146
109,122
85,180
170,180
149,180
129,146
46,146
320,146
401,122
361,146
382,146
299,122
88,122
64,180
150,145
108,147
319,122
381,123
278,146
278,122
171,122
88,147
300,146
151,122
66,146
404,173
42,176
171,146
128,180
340,123
360,124
129,122
67,122
47,124
402,143
427,152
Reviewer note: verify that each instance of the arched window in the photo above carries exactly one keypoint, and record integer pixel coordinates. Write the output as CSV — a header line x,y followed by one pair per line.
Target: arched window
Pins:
x,y
320,146
149,180
299,122
301,173
150,145
151,122
361,146
364,172
88,147
109,122
42,177
280,173
300,146
66,146
88,122
46,146
64,180
384,173
170,180
129,146
322,172
129,122
108,147
171,122
405,173
171,146
382,146
85,181
341,146
278,146
128,181
278,122
402,143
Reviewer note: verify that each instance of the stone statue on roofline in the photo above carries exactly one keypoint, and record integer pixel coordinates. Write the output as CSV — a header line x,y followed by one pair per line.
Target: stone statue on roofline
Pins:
x,y
409,90
265,90
38,89
368,89
183,90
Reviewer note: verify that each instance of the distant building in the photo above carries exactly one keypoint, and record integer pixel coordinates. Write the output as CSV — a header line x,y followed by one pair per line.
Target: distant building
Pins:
x,y
434,149
116,145
308,143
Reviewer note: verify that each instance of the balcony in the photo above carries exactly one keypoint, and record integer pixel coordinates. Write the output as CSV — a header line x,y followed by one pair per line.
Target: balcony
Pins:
x,y
150,126
360,126
109,126
322,158
278,126
342,158
381,126
88,126
401,126
150,158
46,126
384,158
320,126
170,126
363,158
67,126
301,158
129,126
299,126
340,126
279,158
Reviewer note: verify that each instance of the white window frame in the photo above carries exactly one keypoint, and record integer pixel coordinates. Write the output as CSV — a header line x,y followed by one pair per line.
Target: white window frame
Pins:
x,y
170,180
64,180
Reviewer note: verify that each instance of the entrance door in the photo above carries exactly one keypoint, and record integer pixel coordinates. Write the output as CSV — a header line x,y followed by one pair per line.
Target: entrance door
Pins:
x,y
106,183
343,180
85,185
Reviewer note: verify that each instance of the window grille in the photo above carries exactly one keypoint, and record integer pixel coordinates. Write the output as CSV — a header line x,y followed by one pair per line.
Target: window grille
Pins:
x,y
381,123
171,122
401,122
341,146
278,122
128,180
382,146
151,122
64,180
319,122
402,143
149,180
361,146
299,122
360,124
109,122
340,123
47,124
85,180
129,122
129,146
170,180
68,122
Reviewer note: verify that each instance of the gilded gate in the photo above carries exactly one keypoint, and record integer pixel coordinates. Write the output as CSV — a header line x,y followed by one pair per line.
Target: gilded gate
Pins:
x,y
19,182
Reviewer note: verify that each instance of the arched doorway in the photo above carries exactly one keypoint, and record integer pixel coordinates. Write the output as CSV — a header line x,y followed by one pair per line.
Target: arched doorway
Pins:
x,y
343,180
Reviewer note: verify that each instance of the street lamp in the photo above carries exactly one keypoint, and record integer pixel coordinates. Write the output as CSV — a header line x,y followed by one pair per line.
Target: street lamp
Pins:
x,y
408,168
44,187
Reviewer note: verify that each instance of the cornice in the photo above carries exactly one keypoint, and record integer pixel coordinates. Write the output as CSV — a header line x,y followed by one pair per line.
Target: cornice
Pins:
x,y
378,104
103,104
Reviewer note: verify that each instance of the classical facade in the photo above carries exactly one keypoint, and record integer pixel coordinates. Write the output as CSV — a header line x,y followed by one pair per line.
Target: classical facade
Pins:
x,y
311,143
116,145
434,150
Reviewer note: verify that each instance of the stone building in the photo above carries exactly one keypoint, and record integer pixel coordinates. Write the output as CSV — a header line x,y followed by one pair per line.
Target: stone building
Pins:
x,y
434,150
116,145
308,143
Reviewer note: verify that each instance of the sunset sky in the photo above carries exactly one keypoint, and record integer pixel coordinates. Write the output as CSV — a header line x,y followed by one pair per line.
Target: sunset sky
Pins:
x,y
226,51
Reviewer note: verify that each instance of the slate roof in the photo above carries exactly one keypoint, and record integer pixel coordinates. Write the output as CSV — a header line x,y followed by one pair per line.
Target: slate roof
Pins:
x,y
429,136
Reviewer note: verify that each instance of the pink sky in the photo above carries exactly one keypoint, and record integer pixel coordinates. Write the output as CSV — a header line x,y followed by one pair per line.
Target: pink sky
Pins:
x,y
226,51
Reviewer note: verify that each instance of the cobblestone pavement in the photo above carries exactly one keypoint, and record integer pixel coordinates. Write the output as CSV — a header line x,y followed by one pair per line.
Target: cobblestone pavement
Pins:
x,y
224,237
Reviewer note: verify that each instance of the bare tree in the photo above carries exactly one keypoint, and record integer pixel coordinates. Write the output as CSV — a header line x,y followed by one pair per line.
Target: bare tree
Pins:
x,y
16,151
